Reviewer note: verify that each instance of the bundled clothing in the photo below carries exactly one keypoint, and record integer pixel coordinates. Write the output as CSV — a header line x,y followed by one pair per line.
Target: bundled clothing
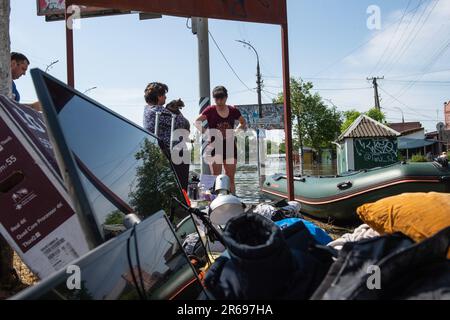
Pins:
x,y
406,270
279,211
362,232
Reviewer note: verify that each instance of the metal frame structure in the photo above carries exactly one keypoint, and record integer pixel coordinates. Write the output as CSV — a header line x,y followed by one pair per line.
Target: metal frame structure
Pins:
x,y
262,11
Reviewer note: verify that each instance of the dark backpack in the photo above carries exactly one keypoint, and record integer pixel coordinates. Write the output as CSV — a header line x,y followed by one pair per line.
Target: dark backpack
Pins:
x,y
267,263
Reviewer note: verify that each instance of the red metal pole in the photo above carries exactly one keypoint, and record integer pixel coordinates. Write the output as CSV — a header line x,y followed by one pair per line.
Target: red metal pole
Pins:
x,y
69,52
287,113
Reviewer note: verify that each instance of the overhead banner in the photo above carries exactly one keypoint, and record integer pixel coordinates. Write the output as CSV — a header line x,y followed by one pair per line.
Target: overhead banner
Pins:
x,y
272,117
263,11
54,10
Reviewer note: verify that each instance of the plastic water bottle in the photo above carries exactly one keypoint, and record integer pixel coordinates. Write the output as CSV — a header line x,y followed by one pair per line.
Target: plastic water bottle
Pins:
x,y
202,192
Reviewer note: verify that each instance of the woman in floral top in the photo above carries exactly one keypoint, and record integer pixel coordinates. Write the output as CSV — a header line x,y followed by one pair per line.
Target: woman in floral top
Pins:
x,y
155,96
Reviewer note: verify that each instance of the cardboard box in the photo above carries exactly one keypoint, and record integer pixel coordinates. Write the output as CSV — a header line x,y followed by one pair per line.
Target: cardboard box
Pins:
x,y
36,215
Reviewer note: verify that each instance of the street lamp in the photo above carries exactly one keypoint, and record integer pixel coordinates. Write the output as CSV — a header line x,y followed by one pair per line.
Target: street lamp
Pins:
x,y
259,89
403,115
90,89
258,75
49,66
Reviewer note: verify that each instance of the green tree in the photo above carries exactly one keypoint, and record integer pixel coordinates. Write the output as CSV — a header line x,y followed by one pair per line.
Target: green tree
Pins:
x,y
377,115
115,217
156,184
351,115
316,124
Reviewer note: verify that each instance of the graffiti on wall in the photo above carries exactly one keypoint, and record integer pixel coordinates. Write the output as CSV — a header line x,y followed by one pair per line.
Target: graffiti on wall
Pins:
x,y
375,151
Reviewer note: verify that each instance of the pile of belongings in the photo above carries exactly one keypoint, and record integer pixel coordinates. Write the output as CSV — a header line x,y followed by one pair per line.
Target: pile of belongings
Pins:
x,y
285,214
279,210
400,252
265,262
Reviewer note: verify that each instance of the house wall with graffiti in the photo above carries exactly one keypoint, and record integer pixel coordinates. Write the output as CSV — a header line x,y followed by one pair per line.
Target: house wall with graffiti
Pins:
x,y
375,152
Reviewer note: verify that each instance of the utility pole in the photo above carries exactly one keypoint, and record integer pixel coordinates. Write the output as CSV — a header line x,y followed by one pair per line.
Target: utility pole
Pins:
x,y
259,83
375,87
200,28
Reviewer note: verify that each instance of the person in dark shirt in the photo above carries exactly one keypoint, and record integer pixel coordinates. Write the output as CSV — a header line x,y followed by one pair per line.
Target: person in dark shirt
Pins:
x,y
222,120
19,67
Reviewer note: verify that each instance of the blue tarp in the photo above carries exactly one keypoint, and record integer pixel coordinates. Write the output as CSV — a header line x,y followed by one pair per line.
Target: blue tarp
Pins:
x,y
318,234
407,143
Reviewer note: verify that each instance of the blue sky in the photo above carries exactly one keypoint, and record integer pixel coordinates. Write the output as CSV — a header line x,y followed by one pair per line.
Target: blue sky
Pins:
x,y
330,45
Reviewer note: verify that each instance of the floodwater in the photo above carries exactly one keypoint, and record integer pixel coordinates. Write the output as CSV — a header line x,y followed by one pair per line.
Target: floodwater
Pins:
x,y
247,182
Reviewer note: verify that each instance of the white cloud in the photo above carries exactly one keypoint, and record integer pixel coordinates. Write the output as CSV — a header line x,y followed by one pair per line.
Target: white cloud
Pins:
x,y
410,52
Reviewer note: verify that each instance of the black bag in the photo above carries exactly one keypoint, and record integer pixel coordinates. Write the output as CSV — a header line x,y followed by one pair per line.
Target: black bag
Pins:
x,y
407,270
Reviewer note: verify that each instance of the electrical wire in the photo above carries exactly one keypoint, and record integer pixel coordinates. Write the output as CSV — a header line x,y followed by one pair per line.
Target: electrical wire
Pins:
x,y
404,49
228,62
402,103
392,39
400,43
130,265
429,65
359,46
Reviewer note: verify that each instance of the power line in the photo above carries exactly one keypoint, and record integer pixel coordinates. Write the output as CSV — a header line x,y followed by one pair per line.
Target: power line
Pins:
x,y
228,62
326,89
414,35
360,46
392,38
341,89
432,62
418,74
402,103
400,43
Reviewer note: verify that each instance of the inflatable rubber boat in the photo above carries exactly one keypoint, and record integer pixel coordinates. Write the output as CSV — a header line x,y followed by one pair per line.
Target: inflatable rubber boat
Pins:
x,y
338,197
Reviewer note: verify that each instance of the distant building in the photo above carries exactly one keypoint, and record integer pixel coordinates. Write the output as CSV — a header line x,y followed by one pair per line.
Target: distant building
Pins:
x,y
412,139
412,130
367,144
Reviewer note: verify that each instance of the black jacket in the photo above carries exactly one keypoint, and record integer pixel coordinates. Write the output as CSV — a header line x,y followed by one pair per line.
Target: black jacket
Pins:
x,y
407,270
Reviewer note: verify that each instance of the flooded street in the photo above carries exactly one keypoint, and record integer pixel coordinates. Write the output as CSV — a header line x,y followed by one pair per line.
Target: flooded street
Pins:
x,y
247,182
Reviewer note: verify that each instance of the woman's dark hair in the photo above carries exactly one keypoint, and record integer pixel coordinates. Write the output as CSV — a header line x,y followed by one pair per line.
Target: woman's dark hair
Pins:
x,y
153,91
220,91
19,57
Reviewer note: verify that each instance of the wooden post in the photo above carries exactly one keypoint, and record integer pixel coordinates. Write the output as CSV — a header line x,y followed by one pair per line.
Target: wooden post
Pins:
x,y
69,51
